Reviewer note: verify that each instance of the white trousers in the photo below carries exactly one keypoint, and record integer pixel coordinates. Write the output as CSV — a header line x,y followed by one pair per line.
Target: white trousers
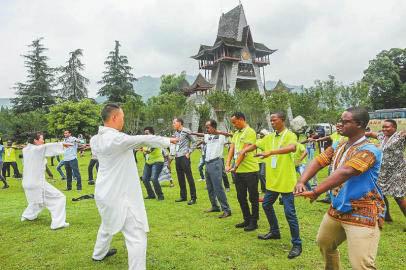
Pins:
x,y
54,201
135,241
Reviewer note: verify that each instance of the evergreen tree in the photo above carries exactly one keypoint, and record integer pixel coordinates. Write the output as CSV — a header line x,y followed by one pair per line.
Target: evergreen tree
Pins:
x,y
37,92
117,79
73,83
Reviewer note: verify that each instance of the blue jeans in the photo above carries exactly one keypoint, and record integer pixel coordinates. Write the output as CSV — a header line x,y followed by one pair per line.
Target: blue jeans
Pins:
x,y
72,167
290,214
300,169
152,172
59,168
214,175
201,165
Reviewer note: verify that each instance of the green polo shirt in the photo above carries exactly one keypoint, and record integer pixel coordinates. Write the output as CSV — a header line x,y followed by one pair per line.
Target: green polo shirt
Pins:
x,y
9,154
335,137
259,151
241,137
155,156
283,177
300,149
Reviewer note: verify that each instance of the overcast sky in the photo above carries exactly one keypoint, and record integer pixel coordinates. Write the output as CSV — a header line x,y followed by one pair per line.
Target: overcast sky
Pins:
x,y
314,38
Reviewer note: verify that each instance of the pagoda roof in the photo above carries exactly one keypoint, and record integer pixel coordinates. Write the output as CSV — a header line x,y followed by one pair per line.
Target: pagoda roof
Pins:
x,y
200,84
231,21
234,32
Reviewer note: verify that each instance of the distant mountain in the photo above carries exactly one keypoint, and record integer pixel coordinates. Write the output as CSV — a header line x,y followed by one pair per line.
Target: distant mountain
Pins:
x,y
148,86
5,102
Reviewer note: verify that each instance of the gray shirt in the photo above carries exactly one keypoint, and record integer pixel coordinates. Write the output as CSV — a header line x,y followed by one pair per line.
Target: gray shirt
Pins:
x,y
186,144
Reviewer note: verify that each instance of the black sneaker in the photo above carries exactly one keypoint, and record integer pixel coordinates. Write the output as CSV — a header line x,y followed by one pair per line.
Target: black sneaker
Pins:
x,y
268,236
192,201
295,252
5,186
161,198
111,252
91,182
242,224
252,226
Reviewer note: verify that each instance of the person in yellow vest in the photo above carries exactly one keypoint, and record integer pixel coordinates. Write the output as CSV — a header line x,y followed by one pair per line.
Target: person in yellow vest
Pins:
x,y
154,163
245,171
261,161
279,147
5,185
10,159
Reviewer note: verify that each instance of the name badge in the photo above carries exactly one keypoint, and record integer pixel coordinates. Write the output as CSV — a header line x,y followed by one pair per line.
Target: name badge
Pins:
x,y
236,155
274,162
177,147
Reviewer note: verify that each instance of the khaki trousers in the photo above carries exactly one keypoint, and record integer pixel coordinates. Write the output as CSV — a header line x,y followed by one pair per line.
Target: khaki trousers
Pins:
x,y
362,243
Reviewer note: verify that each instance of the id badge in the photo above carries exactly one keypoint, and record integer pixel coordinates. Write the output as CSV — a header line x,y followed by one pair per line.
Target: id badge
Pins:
x,y
236,155
176,147
273,162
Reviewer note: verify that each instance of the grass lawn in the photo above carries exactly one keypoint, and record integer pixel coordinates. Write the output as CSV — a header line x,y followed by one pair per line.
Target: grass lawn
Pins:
x,y
181,237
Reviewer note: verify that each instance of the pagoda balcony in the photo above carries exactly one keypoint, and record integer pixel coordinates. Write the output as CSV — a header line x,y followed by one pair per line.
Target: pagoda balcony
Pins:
x,y
261,61
206,64
228,58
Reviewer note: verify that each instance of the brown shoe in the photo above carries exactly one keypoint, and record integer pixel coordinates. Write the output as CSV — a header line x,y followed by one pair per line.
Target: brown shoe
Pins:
x,y
225,215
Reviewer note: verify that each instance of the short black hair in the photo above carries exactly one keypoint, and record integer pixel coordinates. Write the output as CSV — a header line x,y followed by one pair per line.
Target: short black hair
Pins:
x,y
213,123
34,136
68,130
108,109
280,115
238,115
150,129
393,122
360,115
178,119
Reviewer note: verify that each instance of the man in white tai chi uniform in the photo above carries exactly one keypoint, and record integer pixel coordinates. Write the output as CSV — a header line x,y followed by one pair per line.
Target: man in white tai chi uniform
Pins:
x,y
118,191
40,194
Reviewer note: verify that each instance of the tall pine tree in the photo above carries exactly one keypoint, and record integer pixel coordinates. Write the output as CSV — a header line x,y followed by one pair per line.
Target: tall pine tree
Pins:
x,y
117,79
37,92
73,84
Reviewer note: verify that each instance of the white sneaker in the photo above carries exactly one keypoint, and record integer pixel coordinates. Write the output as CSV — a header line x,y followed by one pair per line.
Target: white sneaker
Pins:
x,y
64,226
227,189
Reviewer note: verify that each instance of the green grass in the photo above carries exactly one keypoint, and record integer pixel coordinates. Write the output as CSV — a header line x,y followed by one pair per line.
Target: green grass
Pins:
x,y
181,237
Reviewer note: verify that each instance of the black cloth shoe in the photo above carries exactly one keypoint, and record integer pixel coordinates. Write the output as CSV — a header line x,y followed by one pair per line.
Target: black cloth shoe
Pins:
x,y
111,252
211,210
180,200
161,198
91,182
295,251
268,236
149,198
192,201
252,226
225,215
5,186
242,224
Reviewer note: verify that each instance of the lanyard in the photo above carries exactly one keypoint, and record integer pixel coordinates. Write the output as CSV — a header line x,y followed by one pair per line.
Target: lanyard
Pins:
x,y
280,141
343,157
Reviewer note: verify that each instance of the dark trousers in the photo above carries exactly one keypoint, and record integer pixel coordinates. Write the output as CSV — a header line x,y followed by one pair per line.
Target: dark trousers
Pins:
x,y
225,177
92,163
152,172
72,166
248,182
6,168
52,160
262,176
290,213
182,169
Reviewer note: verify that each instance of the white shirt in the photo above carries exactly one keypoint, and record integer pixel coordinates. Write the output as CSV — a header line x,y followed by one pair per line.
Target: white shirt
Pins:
x,y
34,169
118,190
214,146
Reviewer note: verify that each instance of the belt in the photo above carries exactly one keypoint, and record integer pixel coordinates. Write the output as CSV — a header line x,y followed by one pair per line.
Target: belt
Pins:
x,y
212,160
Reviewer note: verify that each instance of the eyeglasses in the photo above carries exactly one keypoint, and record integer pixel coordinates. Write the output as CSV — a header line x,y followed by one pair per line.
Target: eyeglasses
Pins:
x,y
343,122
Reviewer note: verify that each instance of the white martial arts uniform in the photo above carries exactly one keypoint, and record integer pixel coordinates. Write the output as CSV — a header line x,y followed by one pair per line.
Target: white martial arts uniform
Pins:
x,y
118,193
40,194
